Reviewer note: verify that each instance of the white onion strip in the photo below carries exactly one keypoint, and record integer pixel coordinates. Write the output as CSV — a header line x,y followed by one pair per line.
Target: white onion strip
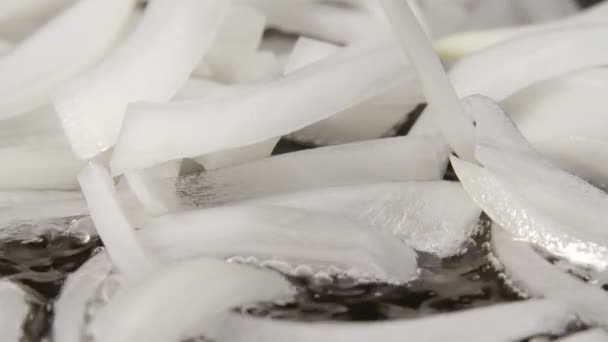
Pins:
x,y
500,322
71,306
433,217
566,203
294,241
157,197
444,105
201,291
369,120
538,277
318,20
576,47
112,225
523,220
173,35
265,111
36,66
418,158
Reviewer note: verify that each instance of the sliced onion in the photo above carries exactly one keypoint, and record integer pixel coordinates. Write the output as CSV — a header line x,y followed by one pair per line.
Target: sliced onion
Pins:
x,y
156,197
171,34
39,167
238,39
592,335
576,47
238,156
433,217
447,111
36,66
420,158
369,120
71,306
584,157
318,20
14,308
112,225
500,322
201,291
307,51
538,277
546,109
294,241
273,109
524,220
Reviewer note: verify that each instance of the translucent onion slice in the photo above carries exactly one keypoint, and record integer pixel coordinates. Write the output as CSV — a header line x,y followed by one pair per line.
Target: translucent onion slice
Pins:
x,y
532,273
71,307
420,158
112,225
370,120
576,46
505,152
172,34
318,20
294,241
265,111
156,197
14,308
433,217
444,105
239,37
201,290
524,218
592,335
584,157
36,66
238,156
461,44
500,322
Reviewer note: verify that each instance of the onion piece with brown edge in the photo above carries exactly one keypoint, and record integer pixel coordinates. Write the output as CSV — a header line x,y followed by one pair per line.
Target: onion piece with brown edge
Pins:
x,y
32,70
